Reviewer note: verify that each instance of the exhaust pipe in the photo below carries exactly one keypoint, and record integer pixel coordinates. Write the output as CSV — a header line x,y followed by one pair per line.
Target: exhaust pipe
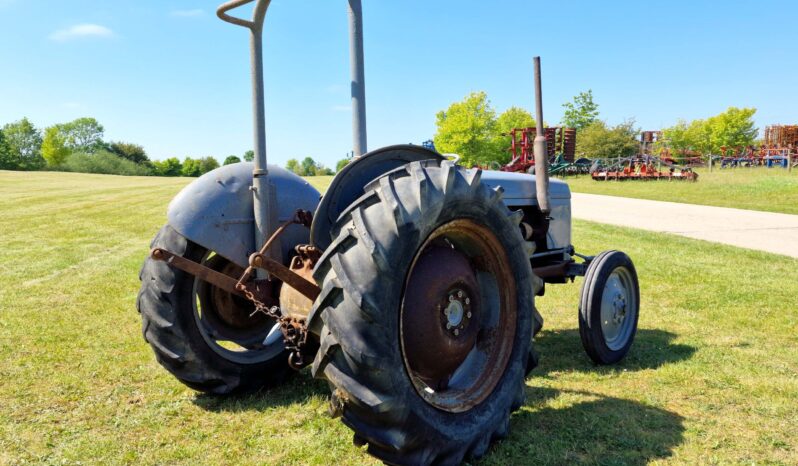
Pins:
x,y
541,154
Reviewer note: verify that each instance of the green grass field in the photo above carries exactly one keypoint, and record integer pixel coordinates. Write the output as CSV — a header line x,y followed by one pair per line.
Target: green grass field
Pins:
x,y
772,190
711,378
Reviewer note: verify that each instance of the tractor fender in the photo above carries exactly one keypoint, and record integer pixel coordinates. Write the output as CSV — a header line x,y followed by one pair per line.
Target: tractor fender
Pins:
x,y
216,210
349,182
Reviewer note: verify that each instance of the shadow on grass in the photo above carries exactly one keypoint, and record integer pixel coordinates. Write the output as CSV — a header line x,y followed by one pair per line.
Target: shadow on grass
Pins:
x,y
594,429
561,350
584,428
297,389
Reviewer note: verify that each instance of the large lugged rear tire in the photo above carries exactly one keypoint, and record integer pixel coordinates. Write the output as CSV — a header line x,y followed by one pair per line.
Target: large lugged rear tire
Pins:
x,y
168,303
438,217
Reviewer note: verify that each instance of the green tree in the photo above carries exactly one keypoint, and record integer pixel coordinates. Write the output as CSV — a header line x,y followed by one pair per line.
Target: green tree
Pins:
x,y
293,165
133,152
231,159
468,129
54,147
581,112
24,144
208,164
191,167
733,128
341,164
514,117
676,137
699,133
321,170
249,156
599,140
82,135
104,162
7,162
168,167
308,167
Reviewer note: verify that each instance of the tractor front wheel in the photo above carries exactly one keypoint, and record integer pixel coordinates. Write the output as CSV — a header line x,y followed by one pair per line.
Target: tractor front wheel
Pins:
x,y
425,316
609,306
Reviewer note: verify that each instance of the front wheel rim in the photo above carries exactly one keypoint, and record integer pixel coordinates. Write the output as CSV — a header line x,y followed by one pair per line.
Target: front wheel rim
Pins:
x,y
618,308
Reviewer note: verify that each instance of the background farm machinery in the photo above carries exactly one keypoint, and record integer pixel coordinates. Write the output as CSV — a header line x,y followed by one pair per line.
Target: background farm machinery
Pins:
x,y
779,149
560,150
641,167
644,166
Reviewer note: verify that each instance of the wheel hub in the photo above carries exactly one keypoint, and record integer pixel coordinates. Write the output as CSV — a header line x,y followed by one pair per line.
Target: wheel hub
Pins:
x,y
619,308
443,284
457,311
227,317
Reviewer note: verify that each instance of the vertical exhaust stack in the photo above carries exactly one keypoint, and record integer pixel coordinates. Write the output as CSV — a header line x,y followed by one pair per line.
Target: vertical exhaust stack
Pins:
x,y
541,154
359,138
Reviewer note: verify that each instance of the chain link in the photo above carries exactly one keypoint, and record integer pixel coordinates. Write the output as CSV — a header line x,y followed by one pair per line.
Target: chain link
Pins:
x,y
293,330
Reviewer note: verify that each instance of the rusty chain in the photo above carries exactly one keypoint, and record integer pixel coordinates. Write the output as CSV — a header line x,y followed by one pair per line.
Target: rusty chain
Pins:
x,y
294,331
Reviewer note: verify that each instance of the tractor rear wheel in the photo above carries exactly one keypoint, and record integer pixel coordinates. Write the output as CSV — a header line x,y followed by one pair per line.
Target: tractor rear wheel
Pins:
x,y
425,317
206,337
609,307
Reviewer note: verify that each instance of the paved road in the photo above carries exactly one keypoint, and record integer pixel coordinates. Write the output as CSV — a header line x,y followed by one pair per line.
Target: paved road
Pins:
x,y
764,231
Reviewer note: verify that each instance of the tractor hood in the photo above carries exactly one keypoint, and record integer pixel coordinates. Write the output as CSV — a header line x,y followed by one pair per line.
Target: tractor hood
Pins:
x,y
519,188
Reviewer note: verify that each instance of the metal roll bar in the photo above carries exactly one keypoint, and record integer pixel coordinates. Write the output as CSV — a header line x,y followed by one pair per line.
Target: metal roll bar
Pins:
x,y
265,217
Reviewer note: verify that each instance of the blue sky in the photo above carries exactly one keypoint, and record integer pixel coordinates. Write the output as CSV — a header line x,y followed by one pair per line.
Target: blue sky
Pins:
x,y
172,77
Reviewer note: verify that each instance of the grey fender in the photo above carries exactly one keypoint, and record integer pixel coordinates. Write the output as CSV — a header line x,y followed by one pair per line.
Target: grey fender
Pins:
x,y
216,210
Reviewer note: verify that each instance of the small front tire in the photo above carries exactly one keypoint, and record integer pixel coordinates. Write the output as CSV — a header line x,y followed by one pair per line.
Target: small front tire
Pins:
x,y
609,307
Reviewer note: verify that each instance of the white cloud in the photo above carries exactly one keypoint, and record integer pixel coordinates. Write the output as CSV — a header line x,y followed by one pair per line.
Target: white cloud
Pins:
x,y
188,13
81,30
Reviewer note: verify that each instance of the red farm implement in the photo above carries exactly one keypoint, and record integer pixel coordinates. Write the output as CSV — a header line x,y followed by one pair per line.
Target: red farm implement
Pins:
x,y
560,143
642,168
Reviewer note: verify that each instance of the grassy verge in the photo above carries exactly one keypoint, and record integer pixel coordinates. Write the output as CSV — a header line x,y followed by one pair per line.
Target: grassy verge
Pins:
x,y
771,190
711,378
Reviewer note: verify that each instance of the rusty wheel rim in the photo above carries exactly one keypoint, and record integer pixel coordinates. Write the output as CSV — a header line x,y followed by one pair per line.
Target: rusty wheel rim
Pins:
x,y
458,315
227,323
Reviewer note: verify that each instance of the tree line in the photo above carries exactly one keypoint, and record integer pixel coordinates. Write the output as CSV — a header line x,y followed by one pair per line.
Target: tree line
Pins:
x,y
472,129
79,146
309,167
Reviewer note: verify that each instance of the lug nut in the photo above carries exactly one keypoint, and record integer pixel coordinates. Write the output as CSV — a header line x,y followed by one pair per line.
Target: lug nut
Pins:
x,y
469,314
460,294
451,298
456,332
468,301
